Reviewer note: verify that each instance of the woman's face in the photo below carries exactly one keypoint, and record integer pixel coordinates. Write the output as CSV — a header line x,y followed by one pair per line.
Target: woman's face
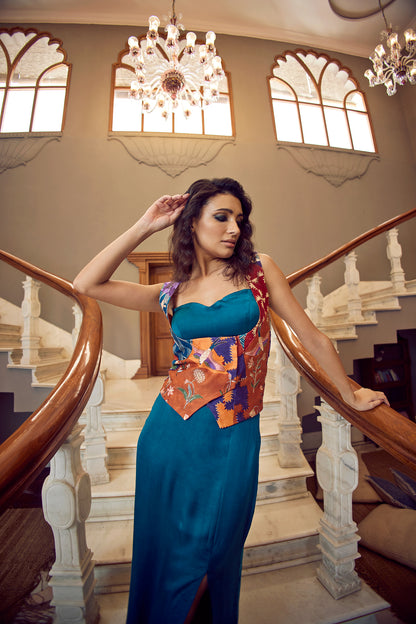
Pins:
x,y
217,230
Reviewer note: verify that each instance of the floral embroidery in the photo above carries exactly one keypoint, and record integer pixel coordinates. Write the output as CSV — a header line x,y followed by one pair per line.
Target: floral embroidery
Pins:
x,y
199,375
189,394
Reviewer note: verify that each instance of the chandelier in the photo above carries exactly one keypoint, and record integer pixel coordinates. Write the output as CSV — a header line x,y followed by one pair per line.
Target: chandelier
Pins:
x,y
397,65
174,72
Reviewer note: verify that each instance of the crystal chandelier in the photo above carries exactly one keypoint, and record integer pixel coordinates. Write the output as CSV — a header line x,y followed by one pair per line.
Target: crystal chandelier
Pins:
x,y
398,64
172,71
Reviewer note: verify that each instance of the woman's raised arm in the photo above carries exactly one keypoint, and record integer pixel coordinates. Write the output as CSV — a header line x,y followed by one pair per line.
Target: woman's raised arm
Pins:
x,y
94,279
284,303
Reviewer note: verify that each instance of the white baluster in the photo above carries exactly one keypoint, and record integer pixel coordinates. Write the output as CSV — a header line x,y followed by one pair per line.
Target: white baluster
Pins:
x,y
337,472
31,313
95,459
95,456
290,430
314,299
352,281
66,501
394,254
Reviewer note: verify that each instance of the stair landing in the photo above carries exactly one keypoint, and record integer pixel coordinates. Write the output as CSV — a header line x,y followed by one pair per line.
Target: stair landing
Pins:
x,y
290,596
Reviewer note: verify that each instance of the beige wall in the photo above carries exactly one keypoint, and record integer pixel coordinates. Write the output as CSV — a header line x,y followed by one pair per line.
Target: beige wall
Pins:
x,y
81,192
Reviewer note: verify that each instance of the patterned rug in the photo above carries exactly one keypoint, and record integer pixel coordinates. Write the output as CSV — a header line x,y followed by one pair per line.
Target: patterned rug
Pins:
x,y
26,550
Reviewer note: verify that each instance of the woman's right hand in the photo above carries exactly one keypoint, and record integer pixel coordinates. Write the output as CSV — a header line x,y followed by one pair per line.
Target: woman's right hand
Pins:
x,y
163,212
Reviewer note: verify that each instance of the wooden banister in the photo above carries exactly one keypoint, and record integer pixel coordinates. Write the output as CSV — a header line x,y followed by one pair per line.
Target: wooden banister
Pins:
x,y
389,429
295,278
27,450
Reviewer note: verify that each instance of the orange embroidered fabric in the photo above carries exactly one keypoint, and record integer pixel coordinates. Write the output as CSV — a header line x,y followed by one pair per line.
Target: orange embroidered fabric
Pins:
x,y
227,374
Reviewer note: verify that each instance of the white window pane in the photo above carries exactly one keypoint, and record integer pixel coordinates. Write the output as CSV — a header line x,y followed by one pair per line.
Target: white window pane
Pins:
x,y
188,125
280,90
56,77
127,113
336,123
313,124
154,122
355,101
217,118
287,121
362,137
49,110
1,98
18,110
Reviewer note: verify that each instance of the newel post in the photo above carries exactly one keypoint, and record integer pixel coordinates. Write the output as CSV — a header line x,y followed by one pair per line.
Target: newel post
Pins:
x,y
66,502
337,473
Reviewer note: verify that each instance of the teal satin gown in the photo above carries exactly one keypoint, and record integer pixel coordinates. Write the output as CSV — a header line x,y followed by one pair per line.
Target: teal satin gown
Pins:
x,y
196,487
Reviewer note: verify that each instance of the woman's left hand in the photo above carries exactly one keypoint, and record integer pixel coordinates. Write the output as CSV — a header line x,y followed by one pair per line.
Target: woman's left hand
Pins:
x,y
365,399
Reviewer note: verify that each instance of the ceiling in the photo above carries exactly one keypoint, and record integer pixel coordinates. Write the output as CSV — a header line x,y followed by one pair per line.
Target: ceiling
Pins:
x,y
303,22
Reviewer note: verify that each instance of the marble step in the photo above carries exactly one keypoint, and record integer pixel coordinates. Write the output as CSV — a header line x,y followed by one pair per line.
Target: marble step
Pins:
x,y
115,500
282,534
290,595
121,443
45,371
10,336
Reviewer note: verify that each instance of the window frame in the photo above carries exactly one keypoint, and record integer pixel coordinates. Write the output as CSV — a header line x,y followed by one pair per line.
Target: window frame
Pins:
x,y
317,84
37,87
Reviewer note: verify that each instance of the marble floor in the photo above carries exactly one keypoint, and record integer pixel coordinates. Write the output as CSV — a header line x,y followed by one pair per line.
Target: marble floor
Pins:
x,y
289,596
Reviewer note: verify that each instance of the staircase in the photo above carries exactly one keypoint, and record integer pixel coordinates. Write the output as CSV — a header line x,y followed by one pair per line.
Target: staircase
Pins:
x,y
281,551
286,520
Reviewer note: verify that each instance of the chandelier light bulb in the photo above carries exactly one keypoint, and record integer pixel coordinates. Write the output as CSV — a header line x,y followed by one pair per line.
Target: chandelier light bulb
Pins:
x,y
190,42
210,41
410,38
154,24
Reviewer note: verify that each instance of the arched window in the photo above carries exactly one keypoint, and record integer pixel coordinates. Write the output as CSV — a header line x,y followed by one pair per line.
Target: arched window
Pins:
x,y
316,101
34,76
127,114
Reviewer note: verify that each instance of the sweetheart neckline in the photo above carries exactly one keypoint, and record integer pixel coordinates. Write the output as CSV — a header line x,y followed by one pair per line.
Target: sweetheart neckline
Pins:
x,y
215,302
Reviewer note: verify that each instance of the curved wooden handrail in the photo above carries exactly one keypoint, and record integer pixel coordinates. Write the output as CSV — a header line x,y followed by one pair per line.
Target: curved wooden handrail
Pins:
x,y
27,450
389,429
295,278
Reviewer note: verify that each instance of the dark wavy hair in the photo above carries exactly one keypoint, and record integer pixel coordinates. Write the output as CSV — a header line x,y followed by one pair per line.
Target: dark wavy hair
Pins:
x,y
181,244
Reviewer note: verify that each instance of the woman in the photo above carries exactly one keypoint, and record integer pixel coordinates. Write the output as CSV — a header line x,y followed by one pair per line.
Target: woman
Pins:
x,y
197,456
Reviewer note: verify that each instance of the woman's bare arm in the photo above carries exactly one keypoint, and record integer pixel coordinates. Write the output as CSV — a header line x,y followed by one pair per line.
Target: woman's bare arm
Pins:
x,y
284,303
94,279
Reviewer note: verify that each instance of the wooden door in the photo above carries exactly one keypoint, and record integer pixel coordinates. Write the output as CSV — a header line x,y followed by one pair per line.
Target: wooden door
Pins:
x,y
161,342
156,344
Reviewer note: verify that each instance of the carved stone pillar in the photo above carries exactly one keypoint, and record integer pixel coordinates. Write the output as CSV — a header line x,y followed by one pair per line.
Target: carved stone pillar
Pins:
x,y
394,254
31,313
290,430
352,280
337,472
66,501
314,299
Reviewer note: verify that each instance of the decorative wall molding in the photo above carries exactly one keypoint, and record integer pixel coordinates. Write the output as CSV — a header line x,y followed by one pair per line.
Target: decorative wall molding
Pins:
x,y
19,149
336,166
172,154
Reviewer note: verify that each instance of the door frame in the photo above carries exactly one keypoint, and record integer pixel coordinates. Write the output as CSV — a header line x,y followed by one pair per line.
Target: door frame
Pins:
x,y
145,261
